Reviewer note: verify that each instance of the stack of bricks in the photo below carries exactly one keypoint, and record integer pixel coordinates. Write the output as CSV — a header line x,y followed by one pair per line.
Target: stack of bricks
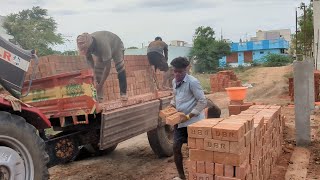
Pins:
x,y
236,107
139,78
53,65
140,86
240,147
222,80
316,86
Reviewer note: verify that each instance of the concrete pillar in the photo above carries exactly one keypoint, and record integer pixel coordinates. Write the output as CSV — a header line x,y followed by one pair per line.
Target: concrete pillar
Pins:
x,y
302,78
311,82
316,22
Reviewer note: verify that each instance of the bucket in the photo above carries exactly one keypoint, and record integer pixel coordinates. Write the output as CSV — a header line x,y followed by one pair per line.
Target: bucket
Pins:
x,y
236,93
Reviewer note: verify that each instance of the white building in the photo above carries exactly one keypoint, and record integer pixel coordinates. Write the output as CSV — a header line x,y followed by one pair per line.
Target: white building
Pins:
x,y
272,34
2,30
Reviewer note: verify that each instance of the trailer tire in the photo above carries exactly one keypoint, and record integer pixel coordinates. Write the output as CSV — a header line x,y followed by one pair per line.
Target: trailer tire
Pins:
x,y
161,141
19,141
94,148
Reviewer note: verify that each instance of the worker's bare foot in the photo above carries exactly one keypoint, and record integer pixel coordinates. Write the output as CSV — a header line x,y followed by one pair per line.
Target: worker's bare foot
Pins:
x,y
124,97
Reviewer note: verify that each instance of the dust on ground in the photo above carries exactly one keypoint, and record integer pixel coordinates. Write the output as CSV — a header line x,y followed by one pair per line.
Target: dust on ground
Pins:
x,y
134,159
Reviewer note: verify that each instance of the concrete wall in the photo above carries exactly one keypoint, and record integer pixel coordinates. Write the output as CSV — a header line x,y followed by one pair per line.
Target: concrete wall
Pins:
x,y
273,34
316,16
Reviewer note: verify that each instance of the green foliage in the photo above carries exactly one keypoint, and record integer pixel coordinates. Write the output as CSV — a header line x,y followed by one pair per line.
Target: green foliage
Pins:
x,y
33,29
306,27
207,50
276,60
70,53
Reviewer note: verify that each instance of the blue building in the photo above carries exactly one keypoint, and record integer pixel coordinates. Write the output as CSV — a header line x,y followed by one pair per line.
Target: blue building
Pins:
x,y
243,54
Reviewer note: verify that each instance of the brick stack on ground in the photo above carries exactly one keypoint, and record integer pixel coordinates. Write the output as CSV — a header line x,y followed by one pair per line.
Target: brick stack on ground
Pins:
x,y
240,147
222,80
140,86
316,86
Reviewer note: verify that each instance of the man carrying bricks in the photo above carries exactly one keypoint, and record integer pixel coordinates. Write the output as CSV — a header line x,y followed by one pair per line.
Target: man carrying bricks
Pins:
x,y
189,99
156,49
100,48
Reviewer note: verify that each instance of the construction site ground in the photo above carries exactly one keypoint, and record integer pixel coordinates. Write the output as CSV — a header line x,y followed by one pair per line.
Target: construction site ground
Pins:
x,y
134,159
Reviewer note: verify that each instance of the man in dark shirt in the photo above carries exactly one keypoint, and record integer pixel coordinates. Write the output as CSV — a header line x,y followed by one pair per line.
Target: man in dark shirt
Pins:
x,y
158,57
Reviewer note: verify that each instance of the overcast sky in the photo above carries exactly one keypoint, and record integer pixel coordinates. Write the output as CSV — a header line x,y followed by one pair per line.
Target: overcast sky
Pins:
x,y
139,21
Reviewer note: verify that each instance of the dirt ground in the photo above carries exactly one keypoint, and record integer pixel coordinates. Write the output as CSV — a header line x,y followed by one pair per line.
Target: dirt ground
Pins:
x,y
134,159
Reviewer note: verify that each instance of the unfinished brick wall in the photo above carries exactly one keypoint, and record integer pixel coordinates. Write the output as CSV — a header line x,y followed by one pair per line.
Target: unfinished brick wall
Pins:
x,y
240,147
222,80
316,86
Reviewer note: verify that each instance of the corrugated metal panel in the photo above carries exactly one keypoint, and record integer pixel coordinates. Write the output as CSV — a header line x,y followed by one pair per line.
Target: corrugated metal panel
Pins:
x,y
232,58
125,123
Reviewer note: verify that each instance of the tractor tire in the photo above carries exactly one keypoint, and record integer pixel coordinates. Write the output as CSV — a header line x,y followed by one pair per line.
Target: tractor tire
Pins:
x,y
23,154
161,141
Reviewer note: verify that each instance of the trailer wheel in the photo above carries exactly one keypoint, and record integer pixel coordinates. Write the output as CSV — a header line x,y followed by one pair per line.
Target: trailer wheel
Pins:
x,y
22,151
161,141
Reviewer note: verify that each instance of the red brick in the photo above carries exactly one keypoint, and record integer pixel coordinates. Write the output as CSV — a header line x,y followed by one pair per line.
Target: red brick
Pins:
x,y
219,169
241,170
192,166
201,155
192,143
225,178
173,119
237,102
248,137
229,171
199,144
229,159
228,131
201,167
202,129
237,147
216,145
210,168
234,109
198,176
246,106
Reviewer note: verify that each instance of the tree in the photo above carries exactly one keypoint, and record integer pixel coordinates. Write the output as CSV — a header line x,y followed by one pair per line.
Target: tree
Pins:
x,y
207,50
133,47
276,60
306,34
33,29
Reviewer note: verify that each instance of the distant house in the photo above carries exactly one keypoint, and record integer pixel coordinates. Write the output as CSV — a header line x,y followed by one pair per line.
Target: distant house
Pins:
x,y
176,48
3,32
244,53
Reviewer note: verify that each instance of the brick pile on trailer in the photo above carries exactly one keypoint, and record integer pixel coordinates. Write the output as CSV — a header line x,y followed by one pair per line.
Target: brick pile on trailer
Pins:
x,y
71,79
240,147
222,80
316,86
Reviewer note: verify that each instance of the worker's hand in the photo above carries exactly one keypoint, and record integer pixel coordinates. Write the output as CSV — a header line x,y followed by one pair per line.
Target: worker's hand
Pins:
x,y
183,117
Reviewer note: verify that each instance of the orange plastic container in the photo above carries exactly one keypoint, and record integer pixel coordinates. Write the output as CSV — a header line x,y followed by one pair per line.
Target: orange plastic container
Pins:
x,y
237,93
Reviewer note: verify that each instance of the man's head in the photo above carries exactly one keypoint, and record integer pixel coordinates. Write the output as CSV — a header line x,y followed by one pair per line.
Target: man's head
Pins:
x,y
84,41
180,65
158,39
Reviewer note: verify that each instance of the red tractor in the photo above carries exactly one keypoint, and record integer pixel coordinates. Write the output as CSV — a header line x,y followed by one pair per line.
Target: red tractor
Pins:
x,y
26,151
